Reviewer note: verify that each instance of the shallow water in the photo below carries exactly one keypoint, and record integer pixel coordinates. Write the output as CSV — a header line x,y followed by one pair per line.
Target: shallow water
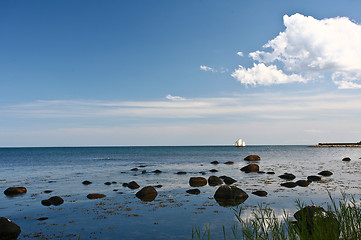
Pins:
x,y
174,213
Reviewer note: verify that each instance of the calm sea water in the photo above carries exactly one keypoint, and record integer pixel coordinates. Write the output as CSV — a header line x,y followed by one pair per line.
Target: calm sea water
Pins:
x,y
174,213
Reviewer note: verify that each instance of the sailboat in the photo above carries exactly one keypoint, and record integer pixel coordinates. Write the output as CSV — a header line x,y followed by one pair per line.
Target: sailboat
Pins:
x,y
240,143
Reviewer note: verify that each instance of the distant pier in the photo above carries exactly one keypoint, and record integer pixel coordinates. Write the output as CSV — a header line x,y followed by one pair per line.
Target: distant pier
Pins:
x,y
358,144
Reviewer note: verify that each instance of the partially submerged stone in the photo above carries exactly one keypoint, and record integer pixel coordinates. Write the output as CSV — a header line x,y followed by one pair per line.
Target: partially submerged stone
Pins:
x,y
250,168
197,181
228,196
252,158
229,163
325,173
289,184
95,196
147,194
346,159
133,185
195,191
313,178
260,193
228,180
86,182
287,176
56,201
214,181
303,183
13,191
8,229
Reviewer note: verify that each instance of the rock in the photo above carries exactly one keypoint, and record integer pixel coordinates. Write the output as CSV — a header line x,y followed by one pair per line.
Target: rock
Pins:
x,y
133,185
214,181
144,171
250,168
147,194
287,176
108,183
142,166
56,201
95,195
48,191
270,172
158,186
314,222
303,183
8,229
289,184
181,173
346,159
228,180
42,218
325,173
260,193
215,162
261,172
203,173
13,191
213,170
125,184
229,163
86,182
313,178
197,181
134,169
227,196
195,191
114,182
252,158
157,171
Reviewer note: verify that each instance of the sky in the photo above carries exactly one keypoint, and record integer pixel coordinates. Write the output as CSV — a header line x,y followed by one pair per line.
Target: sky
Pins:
x,y
182,72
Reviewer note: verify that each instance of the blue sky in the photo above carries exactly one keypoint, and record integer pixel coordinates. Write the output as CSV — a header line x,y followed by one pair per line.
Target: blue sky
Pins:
x,y
77,73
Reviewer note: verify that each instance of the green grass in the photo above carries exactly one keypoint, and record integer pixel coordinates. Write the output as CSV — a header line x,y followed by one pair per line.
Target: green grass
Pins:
x,y
264,225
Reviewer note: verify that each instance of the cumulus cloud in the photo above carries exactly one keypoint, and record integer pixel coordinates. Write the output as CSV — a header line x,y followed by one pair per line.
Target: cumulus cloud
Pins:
x,y
240,54
260,74
207,69
174,98
309,45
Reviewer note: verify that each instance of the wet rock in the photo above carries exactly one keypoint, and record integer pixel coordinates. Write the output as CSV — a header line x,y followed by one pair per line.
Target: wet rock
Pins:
x,y
108,183
142,166
313,178
346,159
157,171
48,191
8,229
133,185
250,168
13,191
261,172
314,222
197,181
228,180
195,191
287,176
325,173
203,173
114,182
215,162
214,181
303,183
227,196
41,219
270,172
229,163
289,184
95,196
56,201
144,171
134,169
125,184
260,193
181,173
213,170
86,182
252,158
158,186
147,194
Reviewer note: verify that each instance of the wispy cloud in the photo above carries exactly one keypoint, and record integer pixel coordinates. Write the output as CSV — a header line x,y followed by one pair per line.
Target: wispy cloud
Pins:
x,y
174,98
207,69
240,54
311,46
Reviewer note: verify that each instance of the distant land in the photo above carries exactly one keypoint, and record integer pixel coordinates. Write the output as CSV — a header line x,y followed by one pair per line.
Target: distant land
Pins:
x,y
358,144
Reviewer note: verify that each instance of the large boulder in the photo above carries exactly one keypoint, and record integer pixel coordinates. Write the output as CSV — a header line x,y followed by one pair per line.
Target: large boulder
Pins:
x,y
252,158
287,176
56,201
314,222
250,168
13,191
8,229
214,181
228,196
197,181
147,194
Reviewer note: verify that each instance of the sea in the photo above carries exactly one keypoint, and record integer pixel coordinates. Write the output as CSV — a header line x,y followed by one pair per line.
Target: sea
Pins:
x,y
173,214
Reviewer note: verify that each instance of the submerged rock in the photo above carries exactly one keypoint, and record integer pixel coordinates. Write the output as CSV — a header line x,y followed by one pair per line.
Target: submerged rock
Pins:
x,y
314,222
215,162
134,169
346,159
228,180
270,172
214,181
197,181
8,229
229,163
213,170
303,183
95,195
252,158
147,194
181,173
261,172
250,168
13,191
195,191
56,201
228,196
157,171
133,185
86,182
289,184
108,183
260,193
287,176
313,178
325,173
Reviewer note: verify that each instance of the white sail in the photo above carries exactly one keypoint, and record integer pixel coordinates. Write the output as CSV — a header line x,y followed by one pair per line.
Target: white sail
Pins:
x,y
243,144
238,143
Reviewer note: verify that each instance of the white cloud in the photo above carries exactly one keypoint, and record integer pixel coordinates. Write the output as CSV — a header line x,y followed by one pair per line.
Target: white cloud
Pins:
x,y
240,54
207,69
174,98
309,45
261,74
